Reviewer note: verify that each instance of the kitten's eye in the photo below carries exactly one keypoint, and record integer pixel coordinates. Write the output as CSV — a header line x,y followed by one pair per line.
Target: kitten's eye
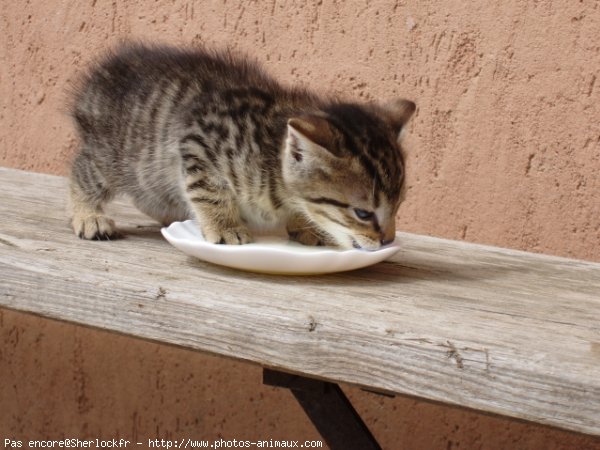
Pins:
x,y
362,214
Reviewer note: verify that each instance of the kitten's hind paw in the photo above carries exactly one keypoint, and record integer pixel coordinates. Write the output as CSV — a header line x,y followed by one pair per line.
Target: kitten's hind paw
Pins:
x,y
95,227
231,236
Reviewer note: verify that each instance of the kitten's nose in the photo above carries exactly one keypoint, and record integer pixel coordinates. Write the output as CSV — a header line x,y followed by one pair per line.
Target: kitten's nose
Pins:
x,y
388,235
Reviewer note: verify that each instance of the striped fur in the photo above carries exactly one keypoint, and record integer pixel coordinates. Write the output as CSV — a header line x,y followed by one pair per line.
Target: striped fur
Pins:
x,y
208,135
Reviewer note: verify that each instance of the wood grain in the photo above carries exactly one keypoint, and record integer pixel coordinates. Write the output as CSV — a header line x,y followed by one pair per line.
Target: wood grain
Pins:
x,y
492,329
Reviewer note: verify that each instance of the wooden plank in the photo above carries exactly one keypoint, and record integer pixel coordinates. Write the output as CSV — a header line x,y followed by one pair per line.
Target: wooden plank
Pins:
x,y
492,329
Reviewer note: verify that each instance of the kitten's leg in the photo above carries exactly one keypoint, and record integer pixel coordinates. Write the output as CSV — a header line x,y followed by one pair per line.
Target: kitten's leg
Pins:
x,y
164,210
217,211
220,222
302,231
88,193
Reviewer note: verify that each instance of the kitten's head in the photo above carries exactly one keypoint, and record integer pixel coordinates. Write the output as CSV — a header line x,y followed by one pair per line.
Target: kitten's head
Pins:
x,y
344,168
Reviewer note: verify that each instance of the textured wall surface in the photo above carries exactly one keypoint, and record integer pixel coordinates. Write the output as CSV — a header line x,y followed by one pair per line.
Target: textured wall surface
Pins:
x,y
504,149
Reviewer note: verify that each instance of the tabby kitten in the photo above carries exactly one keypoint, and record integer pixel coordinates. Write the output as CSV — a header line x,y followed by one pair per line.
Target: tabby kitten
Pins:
x,y
208,135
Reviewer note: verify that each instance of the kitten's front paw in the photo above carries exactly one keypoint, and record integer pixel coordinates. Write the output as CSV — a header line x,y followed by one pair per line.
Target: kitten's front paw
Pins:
x,y
232,236
96,227
306,237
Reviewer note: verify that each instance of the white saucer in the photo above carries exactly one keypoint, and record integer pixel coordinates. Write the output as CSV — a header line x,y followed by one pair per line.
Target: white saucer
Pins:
x,y
271,254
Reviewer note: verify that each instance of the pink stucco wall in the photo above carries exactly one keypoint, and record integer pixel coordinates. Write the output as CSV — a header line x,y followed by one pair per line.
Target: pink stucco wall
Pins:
x,y
504,149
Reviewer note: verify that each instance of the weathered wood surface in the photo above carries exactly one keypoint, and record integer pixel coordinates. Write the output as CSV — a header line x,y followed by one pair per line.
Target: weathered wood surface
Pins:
x,y
497,330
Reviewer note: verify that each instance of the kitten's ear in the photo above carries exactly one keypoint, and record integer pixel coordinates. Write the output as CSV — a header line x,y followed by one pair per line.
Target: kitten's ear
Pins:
x,y
310,134
398,112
